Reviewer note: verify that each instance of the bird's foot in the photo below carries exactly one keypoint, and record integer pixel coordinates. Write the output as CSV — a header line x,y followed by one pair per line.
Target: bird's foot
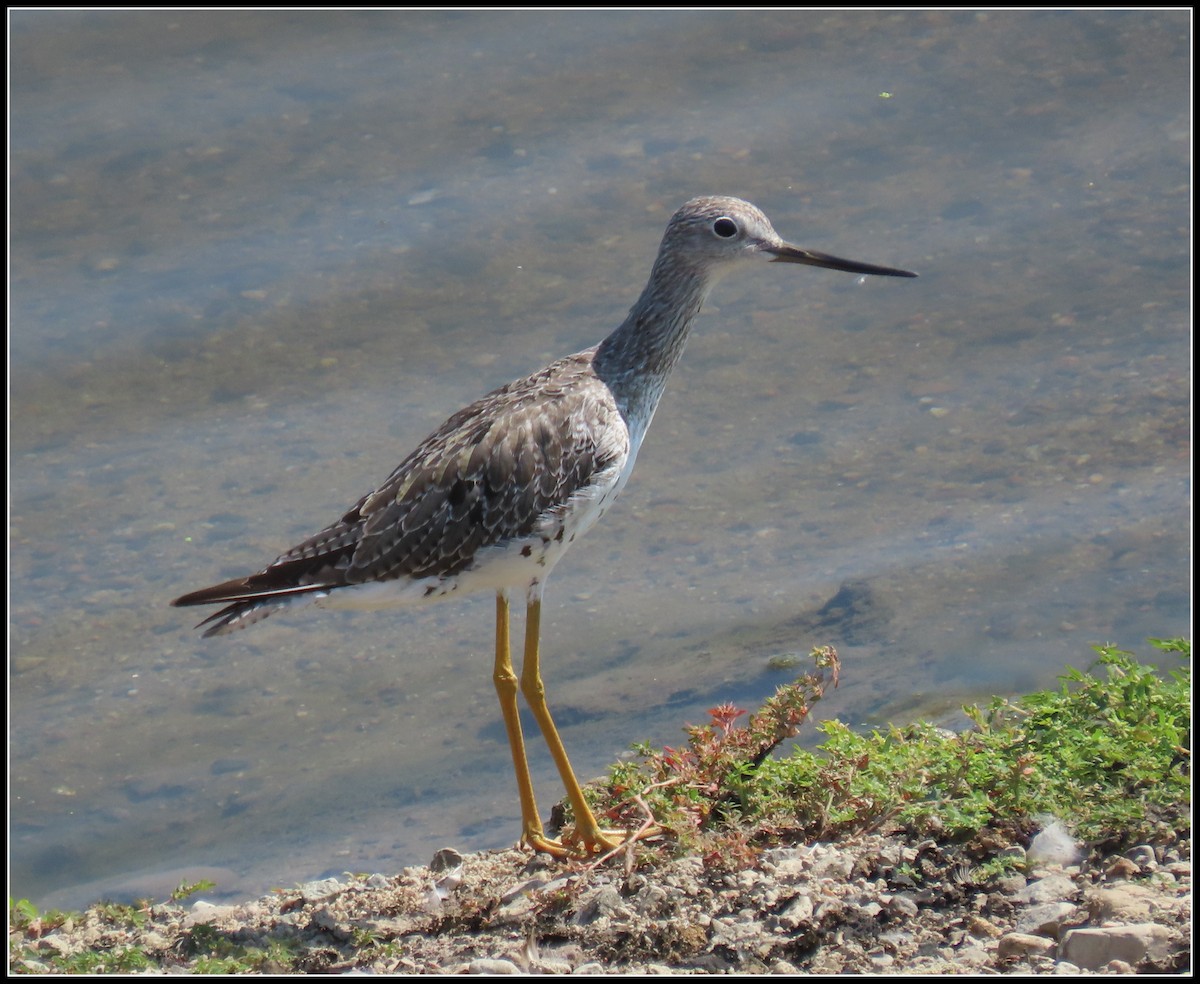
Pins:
x,y
585,842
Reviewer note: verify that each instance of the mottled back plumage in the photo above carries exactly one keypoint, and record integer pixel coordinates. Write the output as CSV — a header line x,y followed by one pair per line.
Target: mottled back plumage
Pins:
x,y
497,470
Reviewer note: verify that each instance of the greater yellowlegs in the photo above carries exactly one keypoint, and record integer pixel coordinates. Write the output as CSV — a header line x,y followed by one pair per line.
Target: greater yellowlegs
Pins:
x,y
493,498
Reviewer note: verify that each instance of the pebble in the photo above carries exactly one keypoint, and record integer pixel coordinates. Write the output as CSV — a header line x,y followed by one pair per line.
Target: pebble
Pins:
x,y
1124,901
1093,948
1051,888
978,926
490,966
1143,856
1024,945
903,906
798,912
1122,868
603,903
322,889
1046,919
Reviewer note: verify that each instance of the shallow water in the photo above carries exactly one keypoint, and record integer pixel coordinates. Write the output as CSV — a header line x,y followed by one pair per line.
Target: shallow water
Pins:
x,y
256,257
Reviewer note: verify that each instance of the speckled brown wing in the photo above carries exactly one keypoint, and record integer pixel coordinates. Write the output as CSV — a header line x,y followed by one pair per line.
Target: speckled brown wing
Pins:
x,y
489,474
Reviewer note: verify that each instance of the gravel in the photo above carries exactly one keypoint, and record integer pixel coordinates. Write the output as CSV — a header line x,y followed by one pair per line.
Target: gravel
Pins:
x,y
880,904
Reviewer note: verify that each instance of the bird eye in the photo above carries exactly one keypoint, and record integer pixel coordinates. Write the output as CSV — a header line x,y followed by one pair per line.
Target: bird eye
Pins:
x,y
725,227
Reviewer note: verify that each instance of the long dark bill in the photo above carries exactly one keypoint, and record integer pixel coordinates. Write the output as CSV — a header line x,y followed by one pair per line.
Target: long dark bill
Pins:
x,y
787,253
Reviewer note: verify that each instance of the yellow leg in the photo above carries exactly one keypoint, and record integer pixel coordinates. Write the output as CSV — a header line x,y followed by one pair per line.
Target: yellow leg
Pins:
x,y
505,680
587,837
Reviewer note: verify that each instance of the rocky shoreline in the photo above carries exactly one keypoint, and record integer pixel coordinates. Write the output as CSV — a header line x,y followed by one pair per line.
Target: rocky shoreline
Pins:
x,y
879,904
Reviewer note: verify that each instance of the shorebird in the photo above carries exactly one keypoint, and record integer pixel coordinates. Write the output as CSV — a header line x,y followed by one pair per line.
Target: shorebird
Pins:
x,y
492,499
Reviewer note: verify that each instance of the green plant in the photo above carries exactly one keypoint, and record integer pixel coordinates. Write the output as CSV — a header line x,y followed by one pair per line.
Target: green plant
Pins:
x,y
712,777
21,913
185,890
1104,752
996,867
1107,752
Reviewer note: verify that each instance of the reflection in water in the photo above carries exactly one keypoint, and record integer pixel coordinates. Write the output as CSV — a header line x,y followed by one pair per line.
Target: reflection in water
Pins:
x,y
257,256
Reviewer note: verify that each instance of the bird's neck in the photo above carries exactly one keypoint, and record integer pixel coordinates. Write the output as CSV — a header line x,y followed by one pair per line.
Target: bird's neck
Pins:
x,y
636,359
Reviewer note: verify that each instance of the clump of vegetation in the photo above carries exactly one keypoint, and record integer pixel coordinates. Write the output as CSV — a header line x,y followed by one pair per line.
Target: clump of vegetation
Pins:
x,y
127,939
1107,753
712,776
